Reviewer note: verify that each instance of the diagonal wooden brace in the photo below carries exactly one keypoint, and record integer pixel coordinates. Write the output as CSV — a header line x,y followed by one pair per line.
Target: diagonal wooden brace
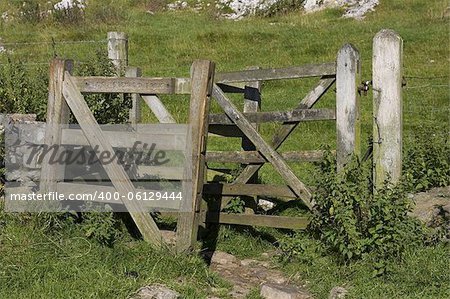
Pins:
x,y
116,173
266,150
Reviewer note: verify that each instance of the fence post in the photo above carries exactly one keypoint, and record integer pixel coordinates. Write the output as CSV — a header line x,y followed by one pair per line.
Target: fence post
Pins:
x,y
348,74
57,115
118,50
135,111
202,78
387,103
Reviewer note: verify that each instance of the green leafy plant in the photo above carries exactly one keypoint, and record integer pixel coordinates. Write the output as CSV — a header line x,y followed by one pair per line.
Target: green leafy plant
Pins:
x,y
280,8
107,108
426,162
101,225
22,90
353,222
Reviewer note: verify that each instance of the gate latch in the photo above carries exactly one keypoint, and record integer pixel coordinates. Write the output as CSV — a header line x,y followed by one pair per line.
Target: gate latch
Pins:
x,y
364,87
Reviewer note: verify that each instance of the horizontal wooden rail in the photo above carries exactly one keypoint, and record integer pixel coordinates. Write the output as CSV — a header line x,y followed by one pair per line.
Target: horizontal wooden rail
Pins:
x,y
257,220
249,157
139,85
163,141
250,220
312,70
278,116
248,189
146,85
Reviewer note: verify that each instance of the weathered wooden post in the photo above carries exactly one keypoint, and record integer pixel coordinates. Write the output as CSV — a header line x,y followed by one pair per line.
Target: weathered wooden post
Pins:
x,y
57,115
387,105
135,111
202,78
348,74
118,50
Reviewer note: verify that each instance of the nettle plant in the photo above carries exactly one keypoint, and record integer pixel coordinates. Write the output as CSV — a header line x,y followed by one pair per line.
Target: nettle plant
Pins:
x,y
426,160
353,222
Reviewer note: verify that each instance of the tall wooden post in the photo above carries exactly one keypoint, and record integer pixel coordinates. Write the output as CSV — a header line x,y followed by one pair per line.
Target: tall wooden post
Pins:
x,y
57,115
348,74
118,50
202,78
387,103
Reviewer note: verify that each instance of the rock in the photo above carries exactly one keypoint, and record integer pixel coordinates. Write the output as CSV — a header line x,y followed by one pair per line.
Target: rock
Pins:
x,y
276,277
222,258
155,291
432,205
278,291
247,262
446,13
266,205
337,293
170,237
361,9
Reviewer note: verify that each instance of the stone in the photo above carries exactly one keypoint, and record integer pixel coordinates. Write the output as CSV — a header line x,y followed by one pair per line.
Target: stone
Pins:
x,y
361,9
265,204
337,293
222,258
169,237
446,13
430,205
278,291
155,291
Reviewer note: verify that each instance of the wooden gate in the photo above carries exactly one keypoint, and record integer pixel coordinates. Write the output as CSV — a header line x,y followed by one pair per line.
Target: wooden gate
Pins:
x,y
66,92
345,73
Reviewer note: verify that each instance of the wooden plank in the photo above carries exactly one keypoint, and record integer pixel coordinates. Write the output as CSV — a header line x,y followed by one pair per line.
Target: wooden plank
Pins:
x,y
135,111
69,189
202,76
278,116
57,114
347,105
257,220
387,103
248,189
305,71
251,220
307,102
159,110
252,157
143,85
162,140
125,85
115,171
268,152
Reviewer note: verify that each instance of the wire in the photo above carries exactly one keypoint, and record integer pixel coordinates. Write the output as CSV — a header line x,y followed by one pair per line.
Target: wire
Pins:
x,y
425,78
427,85
53,42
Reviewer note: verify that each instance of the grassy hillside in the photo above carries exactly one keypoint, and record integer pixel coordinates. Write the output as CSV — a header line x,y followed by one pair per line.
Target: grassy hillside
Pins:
x,y
35,263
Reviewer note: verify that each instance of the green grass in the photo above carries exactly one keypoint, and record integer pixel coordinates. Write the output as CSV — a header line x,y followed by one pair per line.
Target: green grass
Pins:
x,y
38,264
34,264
